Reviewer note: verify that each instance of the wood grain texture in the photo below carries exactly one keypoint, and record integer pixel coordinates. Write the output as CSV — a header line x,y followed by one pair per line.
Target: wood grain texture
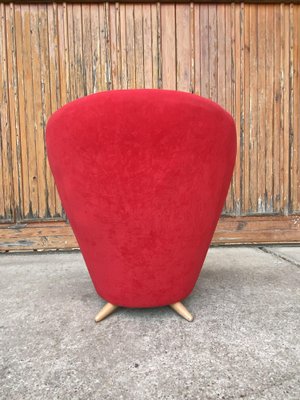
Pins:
x,y
55,235
244,56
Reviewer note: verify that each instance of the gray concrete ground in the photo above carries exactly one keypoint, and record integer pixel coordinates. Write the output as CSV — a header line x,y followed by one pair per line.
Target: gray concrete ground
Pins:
x,y
243,343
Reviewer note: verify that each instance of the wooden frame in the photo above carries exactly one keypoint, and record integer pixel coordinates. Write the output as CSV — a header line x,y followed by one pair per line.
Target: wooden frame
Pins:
x,y
230,230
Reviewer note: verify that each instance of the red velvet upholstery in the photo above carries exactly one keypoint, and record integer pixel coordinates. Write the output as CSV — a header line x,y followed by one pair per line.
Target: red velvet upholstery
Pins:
x,y
143,176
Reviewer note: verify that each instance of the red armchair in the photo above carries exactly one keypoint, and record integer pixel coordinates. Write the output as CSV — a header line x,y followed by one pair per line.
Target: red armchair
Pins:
x,y
143,176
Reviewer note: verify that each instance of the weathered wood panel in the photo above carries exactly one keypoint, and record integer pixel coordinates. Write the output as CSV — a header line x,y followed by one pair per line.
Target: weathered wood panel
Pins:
x,y
231,230
244,56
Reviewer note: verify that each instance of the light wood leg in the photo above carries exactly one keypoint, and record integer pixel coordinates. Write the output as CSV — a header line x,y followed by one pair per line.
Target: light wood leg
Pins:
x,y
105,311
181,310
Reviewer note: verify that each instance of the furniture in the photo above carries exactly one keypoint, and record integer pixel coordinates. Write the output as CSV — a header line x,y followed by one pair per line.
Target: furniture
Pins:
x,y
143,176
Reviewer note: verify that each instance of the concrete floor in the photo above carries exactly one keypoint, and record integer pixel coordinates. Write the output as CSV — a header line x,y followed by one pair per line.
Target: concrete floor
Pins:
x,y
243,343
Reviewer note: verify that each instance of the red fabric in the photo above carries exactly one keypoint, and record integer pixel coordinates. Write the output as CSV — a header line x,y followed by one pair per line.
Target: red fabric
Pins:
x,y
143,176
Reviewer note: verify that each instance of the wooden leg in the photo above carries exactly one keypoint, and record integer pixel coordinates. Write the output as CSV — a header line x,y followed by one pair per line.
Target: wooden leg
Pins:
x,y
181,310
105,311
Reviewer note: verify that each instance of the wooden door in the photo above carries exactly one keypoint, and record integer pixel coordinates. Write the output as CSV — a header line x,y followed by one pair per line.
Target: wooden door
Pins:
x,y
244,56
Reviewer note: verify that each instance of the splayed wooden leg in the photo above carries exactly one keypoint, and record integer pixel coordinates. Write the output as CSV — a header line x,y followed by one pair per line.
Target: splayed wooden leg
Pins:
x,y
105,311
181,310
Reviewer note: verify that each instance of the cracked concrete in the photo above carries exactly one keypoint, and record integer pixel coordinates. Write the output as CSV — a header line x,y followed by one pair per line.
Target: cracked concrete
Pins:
x,y
243,343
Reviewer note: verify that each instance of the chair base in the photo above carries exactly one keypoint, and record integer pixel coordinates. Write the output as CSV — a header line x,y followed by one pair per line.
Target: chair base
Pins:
x,y
178,307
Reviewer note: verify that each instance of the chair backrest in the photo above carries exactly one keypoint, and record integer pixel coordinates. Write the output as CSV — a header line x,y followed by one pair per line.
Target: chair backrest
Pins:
x,y
143,176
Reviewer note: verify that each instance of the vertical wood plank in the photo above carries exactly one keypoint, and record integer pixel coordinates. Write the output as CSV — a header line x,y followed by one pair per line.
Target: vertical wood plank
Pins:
x,y
221,54
37,127
277,110
295,145
236,44
87,49
139,46
261,110
229,87
242,107
246,103
63,56
183,47
284,109
79,77
130,43
29,117
104,79
147,46
168,46
50,19
97,65
6,194
197,79
124,70
269,107
156,45
213,52
47,104
253,108
16,203
204,52
114,45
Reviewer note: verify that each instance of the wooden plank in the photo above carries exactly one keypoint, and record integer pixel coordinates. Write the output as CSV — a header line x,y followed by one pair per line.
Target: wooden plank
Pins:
x,y
114,45
192,52
38,128
236,43
24,195
204,52
71,51
183,48
130,47
221,54
241,95
13,113
278,99
295,117
139,46
87,49
107,46
147,46
269,108
6,190
104,80
42,236
123,39
229,87
79,81
213,52
230,230
168,46
246,106
261,110
197,70
258,230
30,149
253,117
63,57
47,104
286,111
95,48
156,46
